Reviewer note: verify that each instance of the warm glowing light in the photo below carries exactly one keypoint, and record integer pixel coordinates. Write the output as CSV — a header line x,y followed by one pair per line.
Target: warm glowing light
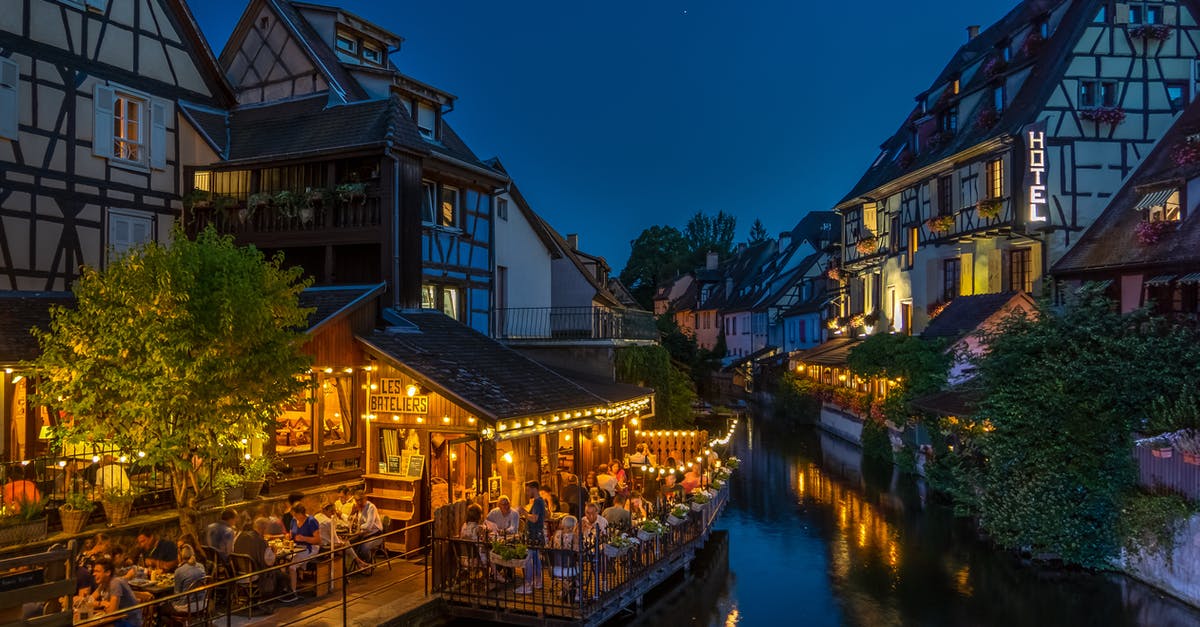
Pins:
x,y
141,453
501,426
420,419
411,390
395,418
507,457
247,456
633,422
453,456
841,377
329,371
62,463
471,419
8,370
446,419
600,438
124,458
95,459
567,437
348,370
374,387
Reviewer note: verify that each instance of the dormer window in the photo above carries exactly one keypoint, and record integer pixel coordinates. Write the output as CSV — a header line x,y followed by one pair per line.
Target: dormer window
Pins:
x,y
1161,205
371,53
427,120
347,44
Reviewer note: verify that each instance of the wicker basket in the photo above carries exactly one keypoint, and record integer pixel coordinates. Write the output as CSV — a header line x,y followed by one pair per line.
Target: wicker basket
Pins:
x,y
250,489
117,512
73,520
23,533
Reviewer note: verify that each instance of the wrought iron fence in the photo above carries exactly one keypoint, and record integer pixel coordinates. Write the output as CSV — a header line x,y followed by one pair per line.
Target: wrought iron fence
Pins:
x,y
574,323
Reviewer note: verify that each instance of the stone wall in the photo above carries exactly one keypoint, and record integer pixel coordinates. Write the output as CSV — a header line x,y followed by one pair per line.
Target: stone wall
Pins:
x,y
1178,573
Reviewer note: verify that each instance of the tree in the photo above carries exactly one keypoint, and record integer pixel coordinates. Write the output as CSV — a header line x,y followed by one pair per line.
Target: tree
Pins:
x,y
921,365
658,254
178,354
651,366
706,234
1064,390
758,232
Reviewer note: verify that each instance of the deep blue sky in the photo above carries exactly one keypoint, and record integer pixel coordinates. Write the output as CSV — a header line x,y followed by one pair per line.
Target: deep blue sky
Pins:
x,y
616,115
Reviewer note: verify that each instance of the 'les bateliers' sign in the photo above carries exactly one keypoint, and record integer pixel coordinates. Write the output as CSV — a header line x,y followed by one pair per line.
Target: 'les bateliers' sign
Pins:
x,y
1035,175
392,398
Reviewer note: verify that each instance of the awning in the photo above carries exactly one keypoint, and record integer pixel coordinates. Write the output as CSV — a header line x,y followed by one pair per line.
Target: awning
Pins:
x,y
1154,199
1162,279
1190,278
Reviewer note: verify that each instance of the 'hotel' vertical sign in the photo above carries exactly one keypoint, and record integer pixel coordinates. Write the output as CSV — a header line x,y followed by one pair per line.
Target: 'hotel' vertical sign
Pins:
x,y
1035,174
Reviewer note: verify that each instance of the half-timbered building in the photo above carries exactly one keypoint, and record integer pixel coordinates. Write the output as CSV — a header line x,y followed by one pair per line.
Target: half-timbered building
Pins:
x,y
345,164
1012,152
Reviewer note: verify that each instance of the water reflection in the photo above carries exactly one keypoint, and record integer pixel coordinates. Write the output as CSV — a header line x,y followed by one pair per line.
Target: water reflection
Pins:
x,y
816,539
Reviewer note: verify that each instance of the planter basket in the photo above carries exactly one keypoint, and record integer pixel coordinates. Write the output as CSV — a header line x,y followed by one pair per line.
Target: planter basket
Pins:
x,y
73,520
671,519
646,536
611,551
250,489
117,512
698,507
23,533
496,560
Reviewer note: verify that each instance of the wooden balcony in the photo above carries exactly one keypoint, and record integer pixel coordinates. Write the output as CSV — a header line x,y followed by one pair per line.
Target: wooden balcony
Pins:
x,y
331,220
987,218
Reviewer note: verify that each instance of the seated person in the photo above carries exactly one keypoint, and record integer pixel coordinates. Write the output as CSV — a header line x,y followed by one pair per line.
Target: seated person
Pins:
x,y
250,542
272,525
188,575
113,594
593,523
189,540
617,516
306,533
111,476
369,524
326,518
504,518
219,534
639,509
286,516
691,481
157,552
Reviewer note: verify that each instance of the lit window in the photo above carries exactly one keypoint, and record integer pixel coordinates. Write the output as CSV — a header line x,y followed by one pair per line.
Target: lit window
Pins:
x,y
444,298
128,115
951,273
1168,211
347,44
995,178
955,86
450,302
428,297
449,207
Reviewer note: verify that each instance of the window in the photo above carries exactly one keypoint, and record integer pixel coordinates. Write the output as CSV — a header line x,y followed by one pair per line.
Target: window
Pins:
x,y
335,410
129,128
1168,211
372,53
998,98
870,225
1101,15
10,103
426,120
949,120
1135,14
442,297
448,216
1006,53
955,85
1154,14
1108,94
1043,29
894,234
450,302
293,425
945,195
429,296
1177,95
995,178
951,275
128,229
347,44
914,234
1020,270
502,208
1087,93
128,113
428,201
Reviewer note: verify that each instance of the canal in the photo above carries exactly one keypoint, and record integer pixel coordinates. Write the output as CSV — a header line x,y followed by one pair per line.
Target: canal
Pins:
x,y
814,541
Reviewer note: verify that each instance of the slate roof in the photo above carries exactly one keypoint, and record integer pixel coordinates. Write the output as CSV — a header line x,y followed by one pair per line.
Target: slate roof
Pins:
x,y
1111,242
1044,67
965,314
331,302
610,391
481,373
20,313
742,269
212,124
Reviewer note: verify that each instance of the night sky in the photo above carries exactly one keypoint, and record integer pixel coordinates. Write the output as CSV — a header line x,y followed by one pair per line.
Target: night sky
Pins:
x,y
616,115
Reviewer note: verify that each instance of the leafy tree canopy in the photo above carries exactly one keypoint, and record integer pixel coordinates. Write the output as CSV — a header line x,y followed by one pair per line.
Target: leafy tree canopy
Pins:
x,y
658,254
921,364
706,233
179,352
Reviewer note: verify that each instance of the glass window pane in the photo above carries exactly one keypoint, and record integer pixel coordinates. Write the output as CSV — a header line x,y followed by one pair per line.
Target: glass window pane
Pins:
x,y
428,202
450,301
293,427
336,412
449,206
428,297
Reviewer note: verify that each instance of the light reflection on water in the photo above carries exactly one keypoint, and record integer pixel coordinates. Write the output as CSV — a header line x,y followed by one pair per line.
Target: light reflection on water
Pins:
x,y
813,542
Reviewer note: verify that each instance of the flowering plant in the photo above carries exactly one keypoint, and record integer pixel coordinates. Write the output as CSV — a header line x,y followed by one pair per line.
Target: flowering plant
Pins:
x,y
1033,43
1186,153
680,511
940,224
867,245
833,324
990,208
835,273
1148,233
936,308
987,119
653,527
1104,115
994,67
1151,32
732,463
857,320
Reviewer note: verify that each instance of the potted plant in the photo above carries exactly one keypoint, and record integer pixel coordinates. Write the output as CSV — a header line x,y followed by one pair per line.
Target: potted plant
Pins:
x,y
732,463
990,208
935,308
22,522
508,554
352,193
314,198
617,545
75,511
117,505
835,274
1186,153
867,245
258,202
940,224
699,501
254,474
197,199
678,514
1151,32
1188,443
225,484
1162,452
1148,233
650,530
1103,115
286,201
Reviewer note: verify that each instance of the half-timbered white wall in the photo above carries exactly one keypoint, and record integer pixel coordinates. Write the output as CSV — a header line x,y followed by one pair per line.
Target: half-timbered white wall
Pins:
x,y
267,63
56,196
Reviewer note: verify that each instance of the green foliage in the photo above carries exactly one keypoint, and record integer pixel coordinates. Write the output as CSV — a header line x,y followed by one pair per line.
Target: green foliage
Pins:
x,y
1065,389
177,351
658,254
796,399
225,479
78,501
876,443
259,468
1179,411
706,234
651,366
921,365
1157,517
510,551
758,232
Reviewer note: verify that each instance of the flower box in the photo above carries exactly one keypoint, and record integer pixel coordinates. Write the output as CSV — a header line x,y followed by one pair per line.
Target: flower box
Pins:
x,y
646,536
1151,32
1103,115
496,560
1148,233
990,208
867,245
611,551
940,224
23,532
1164,452
698,507
671,519
1186,153
73,520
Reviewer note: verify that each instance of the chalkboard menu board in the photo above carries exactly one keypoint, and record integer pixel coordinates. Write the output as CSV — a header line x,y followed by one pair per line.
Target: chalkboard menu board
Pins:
x,y
415,467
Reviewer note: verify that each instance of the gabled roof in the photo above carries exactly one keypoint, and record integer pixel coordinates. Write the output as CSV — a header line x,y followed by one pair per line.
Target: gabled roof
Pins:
x,y
475,370
331,302
535,222
745,270
610,391
958,402
223,94
621,293
20,313
810,229
966,314
1111,242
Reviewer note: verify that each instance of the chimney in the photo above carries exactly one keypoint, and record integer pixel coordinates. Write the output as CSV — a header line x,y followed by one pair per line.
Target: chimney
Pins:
x,y
972,32
711,260
785,240
573,241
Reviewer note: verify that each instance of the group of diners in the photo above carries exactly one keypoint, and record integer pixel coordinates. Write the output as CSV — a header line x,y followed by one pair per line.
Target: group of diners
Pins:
x,y
114,574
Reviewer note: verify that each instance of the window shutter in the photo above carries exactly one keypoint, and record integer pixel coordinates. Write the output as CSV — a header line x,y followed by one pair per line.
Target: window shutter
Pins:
x,y
10,104
1121,14
159,110
102,129
966,274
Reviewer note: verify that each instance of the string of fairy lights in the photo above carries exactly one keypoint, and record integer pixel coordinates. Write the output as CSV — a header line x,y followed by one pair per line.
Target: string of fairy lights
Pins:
x,y
706,453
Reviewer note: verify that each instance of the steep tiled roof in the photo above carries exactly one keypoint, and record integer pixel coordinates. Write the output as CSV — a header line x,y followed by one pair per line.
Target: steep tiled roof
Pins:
x,y
329,302
478,371
1111,241
966,313
741,271
610,391
211,123
810,228
20,313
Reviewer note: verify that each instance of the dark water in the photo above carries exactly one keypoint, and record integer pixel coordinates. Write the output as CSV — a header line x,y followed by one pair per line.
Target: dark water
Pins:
x,y
813,542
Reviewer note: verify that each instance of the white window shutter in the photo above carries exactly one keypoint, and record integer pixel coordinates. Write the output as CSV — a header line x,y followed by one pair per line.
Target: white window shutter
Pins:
x,y
102,130
159,110
10,103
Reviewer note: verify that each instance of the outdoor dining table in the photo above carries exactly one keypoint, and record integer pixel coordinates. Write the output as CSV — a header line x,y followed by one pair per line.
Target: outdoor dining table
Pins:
x,y
158,587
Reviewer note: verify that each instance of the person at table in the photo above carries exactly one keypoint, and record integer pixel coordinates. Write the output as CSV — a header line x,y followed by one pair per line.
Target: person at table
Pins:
x,y
156,552
189,540
306,533
641,457
639,509
535,531
189,574
111,476
593,523
369,525
671,491
19,490
345,504
595,492
288,517
552,505
113,594
574,496
251,543
617,516
618,471
691,481
504,519
220,534
272,524
327,518
607,482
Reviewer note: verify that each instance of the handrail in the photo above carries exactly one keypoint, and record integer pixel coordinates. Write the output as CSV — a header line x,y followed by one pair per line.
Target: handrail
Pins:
x,y
231,582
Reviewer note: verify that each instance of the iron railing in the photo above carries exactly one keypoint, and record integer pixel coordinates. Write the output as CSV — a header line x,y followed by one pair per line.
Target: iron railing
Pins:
x,y
574,323
567,584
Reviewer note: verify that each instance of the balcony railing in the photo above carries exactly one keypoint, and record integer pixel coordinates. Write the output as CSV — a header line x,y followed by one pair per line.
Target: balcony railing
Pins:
x,y
238,217
983,216
573,323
